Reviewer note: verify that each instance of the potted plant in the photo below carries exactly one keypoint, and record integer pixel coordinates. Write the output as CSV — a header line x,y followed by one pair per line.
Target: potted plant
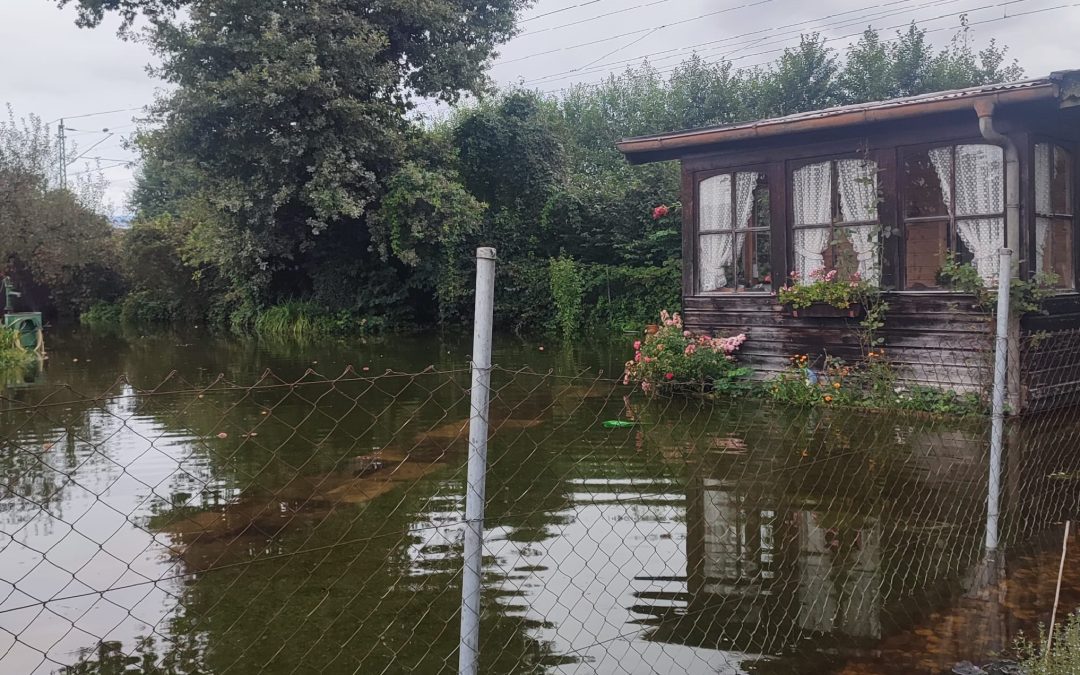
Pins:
x,y
827,295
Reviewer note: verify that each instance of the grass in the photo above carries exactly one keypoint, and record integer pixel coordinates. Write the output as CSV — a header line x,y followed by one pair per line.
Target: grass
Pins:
x,y
304,321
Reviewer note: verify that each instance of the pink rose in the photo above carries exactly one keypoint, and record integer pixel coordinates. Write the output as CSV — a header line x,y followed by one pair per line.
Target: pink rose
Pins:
x,y
686,333
660,211
637,344
669,376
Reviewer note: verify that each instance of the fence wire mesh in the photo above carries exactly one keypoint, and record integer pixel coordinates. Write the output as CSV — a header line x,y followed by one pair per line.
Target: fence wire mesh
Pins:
x,y
314,525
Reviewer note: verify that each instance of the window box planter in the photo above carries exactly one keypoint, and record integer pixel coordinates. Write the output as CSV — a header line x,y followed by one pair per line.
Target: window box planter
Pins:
x,y
823,310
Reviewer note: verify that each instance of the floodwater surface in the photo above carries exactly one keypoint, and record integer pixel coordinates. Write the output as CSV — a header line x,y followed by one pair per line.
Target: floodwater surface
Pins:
x,y
190,504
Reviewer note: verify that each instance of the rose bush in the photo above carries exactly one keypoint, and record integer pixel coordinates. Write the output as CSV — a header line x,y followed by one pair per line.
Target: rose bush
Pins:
x,y
677,358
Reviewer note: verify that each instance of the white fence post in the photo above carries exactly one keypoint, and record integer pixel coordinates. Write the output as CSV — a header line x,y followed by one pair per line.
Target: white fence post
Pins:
x,y
997,416
468,653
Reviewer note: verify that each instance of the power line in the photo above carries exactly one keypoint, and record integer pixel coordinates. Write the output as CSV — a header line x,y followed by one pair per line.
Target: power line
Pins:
x,y
693,48
842,37
89,149
130,160
633,32
594,18
619,49
95,114
557,11
103,168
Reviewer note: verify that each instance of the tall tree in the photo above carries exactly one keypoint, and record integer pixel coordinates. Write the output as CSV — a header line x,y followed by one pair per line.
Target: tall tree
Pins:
x,y
289,120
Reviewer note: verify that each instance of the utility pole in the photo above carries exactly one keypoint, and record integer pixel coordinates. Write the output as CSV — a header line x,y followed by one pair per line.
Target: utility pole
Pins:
x,y
63,157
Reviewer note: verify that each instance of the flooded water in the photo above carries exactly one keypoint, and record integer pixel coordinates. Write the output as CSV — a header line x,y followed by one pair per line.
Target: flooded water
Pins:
x,y
313,523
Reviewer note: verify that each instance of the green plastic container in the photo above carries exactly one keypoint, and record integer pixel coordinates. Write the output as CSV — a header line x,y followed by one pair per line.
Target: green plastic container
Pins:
x,y
28,325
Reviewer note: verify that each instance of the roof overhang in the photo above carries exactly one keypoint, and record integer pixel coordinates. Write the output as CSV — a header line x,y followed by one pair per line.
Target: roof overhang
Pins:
x,y
644,149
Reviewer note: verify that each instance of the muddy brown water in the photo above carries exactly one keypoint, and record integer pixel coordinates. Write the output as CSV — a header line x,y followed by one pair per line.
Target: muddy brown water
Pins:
x,y
316,527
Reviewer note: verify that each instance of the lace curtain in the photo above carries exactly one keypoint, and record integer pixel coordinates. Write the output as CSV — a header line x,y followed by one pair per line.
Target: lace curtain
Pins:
x,y
715,260
857,180
978,177
1043,205
714,250
811,204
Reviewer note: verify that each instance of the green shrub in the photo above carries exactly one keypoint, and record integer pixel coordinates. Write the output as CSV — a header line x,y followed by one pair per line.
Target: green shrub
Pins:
x,y
147,308
101,315
1064,657
567,292
12,354
624,297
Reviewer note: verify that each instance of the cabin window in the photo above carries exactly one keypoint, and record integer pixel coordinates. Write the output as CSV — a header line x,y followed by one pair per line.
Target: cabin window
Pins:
x,y
954,204
1054,214
835,225
733,233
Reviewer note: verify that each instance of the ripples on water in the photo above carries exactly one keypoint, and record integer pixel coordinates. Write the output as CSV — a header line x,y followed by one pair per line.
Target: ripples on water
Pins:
x,y
710,538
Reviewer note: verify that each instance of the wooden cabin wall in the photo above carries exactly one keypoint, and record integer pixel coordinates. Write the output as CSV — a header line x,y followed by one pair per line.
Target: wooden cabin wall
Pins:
x,y
935,340
1050,340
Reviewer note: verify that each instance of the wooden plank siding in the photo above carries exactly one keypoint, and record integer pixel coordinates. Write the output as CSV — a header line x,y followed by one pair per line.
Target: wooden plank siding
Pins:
x,y
932,339
1050,355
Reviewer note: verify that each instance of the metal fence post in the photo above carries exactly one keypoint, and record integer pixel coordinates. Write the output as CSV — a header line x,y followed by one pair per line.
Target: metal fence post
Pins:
x,y
997,417
468,653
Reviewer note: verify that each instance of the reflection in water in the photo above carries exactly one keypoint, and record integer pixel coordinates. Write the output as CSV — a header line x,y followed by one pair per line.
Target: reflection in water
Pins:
x,y
322,532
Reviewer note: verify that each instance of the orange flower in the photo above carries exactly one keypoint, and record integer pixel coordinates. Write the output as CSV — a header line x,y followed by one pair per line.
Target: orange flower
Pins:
x,y
828,399
836,385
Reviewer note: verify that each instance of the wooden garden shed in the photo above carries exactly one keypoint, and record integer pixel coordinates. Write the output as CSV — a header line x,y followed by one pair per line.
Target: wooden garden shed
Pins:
x,y
890,190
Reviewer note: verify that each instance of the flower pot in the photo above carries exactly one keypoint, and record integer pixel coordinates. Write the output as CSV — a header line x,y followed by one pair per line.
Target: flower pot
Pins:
x,y
652,329
823,310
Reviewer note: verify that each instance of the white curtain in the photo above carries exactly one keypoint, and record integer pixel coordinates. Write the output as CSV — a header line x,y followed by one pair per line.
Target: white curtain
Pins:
x,y
715,196
812,194
745,182
714,250
980,184
1043,205
714,261
858,189
812,204
857,180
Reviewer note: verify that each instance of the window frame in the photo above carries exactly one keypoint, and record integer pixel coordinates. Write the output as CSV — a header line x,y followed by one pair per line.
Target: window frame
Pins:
x,y
951,235
869,155
700,177
1032,215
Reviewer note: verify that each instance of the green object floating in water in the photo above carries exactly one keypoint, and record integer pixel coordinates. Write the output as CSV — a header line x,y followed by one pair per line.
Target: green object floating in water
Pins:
x,y
618,424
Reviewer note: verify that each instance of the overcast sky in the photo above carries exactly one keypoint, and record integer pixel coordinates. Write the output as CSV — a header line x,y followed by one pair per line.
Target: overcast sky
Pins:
x,y
53,69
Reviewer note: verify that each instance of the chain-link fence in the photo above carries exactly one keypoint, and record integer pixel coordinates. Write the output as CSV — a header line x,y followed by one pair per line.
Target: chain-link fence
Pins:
x,y
835,518
315,525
